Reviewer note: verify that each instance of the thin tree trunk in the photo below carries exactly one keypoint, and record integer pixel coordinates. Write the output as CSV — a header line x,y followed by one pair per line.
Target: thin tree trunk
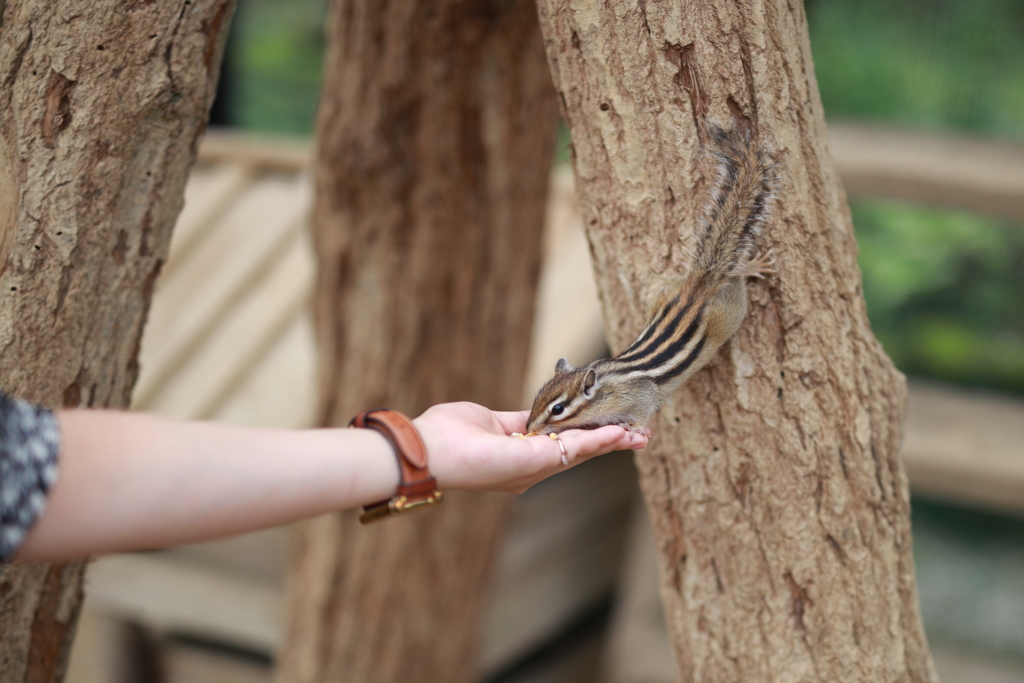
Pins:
x,y
779,502
435,142
101,107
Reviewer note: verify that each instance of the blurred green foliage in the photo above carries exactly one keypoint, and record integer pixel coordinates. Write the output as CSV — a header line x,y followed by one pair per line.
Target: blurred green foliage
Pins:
x,y
956,64
275,56
945,291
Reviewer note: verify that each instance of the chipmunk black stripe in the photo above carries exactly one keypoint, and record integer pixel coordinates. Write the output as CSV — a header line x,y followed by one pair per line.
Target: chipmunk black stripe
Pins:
x,y
725,190
755,216
681,367
651,327
729,175
665,335
573,412
676,347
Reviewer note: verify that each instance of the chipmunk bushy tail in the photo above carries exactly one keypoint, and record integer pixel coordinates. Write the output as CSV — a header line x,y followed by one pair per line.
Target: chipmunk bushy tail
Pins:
x,y
727,238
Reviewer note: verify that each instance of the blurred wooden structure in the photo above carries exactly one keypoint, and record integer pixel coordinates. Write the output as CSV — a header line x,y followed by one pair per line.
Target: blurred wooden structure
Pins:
x,y
230,339
938,170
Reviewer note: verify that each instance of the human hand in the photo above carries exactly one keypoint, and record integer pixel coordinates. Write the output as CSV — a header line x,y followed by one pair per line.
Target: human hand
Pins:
x,y
470,447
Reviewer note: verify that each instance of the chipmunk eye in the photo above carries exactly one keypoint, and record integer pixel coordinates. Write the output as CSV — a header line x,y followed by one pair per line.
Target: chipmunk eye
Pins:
x,y
558,409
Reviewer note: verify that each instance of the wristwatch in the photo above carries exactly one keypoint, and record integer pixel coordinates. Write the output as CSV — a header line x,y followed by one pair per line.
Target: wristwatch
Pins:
x,y
417,489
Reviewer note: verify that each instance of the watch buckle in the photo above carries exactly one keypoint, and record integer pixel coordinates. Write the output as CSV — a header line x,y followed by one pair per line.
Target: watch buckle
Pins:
x,y
398,505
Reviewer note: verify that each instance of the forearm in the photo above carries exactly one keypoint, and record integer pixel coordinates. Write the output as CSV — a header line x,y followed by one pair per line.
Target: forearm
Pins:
x,y
132,481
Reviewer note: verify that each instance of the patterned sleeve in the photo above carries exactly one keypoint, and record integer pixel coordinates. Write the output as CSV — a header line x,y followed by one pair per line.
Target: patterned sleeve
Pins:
x,y
29,445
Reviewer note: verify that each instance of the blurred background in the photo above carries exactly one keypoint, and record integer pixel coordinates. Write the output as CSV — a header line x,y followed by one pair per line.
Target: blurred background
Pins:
x,y
937,83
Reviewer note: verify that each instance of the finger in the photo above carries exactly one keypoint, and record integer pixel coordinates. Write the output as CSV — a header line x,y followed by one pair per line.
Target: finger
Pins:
x,y
575,446
546,452
578,445
607,439
512,421
563,452
585,444
631,440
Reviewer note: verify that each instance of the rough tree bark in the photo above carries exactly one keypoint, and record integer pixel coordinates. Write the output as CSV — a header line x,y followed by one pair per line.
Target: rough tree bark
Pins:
x,y
779,502
435,141
101,107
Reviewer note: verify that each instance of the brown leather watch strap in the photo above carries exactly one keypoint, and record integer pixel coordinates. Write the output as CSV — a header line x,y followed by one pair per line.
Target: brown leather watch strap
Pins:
x,y
416,488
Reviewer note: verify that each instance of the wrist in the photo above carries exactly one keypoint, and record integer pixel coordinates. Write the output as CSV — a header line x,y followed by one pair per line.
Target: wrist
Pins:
x,y
417,488
379,468
433,448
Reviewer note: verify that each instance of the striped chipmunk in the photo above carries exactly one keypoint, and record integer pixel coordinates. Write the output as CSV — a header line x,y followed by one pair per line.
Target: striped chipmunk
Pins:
x,y
690,320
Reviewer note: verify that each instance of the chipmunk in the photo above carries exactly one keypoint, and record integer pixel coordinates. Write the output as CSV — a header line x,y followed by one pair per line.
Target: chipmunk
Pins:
x,y
689,320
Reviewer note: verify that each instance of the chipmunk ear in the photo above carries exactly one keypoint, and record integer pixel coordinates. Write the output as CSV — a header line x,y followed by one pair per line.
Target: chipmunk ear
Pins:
x,y
562,365
589,380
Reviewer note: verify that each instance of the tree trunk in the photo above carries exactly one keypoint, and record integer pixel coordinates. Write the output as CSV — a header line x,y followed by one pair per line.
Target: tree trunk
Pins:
x,y
779,502
102,105
435,143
